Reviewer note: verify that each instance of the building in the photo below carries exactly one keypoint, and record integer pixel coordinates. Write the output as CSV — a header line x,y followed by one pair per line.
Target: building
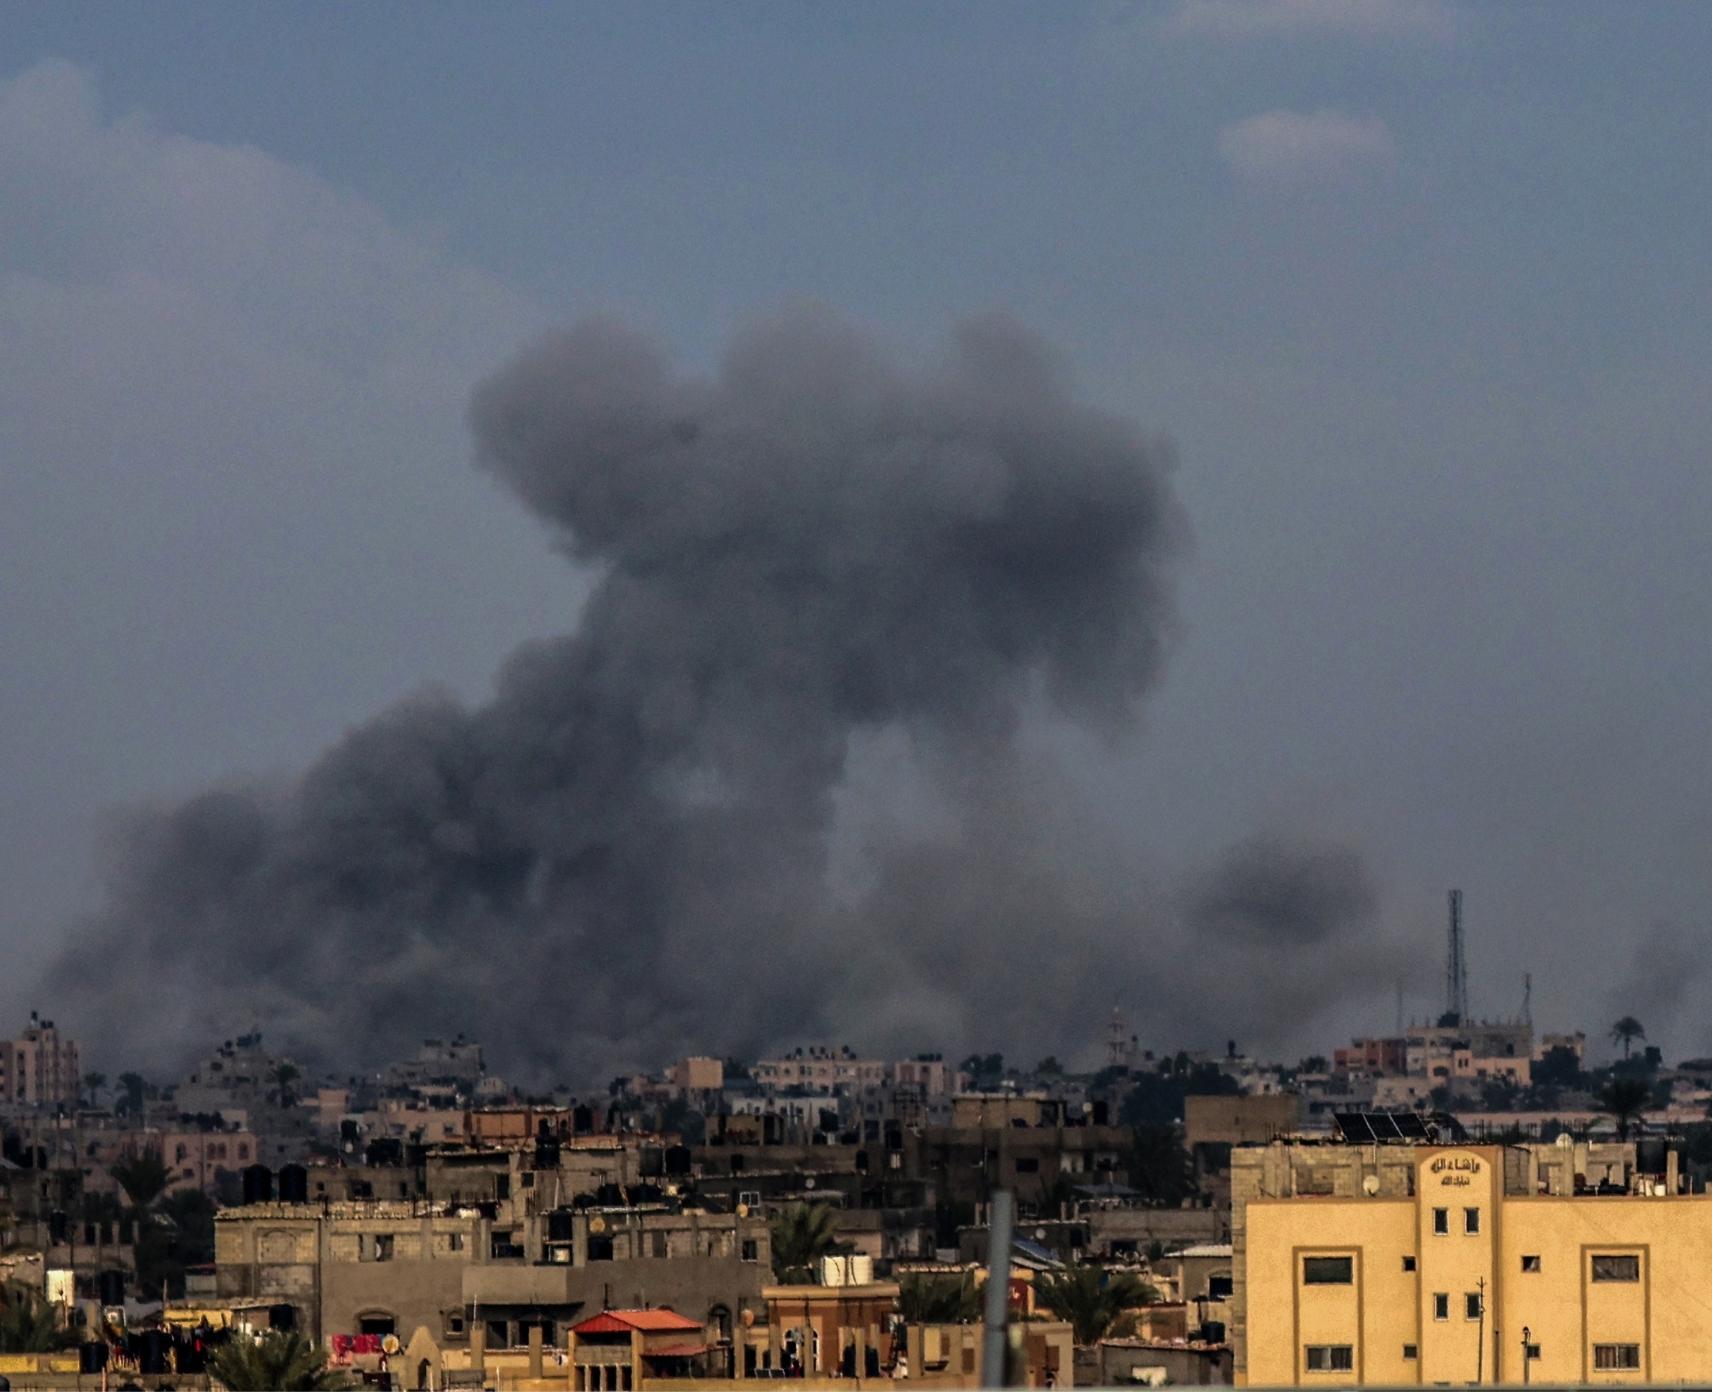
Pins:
x,y
40,1068
1238,1120
390,1267
1379,1057
696,1074
819,1070
1452,1264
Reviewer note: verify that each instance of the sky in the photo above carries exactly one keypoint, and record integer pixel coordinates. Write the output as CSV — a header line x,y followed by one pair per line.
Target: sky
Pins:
x,y
1417,294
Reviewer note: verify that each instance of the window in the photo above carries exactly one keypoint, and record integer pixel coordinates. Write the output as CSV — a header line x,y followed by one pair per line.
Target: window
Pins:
x,y
1530,1262
751,1250
1410,1351
1471,1305
1408,1263
1441,1220
1330,1358
454,1324
498,1334
1328,1271
1614,1268
454,1242
1027,1164
1471,1220
376,1324
1608,1358
383,1247
1441,1305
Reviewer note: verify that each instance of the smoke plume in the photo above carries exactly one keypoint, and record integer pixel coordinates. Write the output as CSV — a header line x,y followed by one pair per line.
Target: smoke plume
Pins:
x,y
630,848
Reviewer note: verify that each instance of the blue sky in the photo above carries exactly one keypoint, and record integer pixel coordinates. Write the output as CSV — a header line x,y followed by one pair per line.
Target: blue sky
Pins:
x,y
1419,292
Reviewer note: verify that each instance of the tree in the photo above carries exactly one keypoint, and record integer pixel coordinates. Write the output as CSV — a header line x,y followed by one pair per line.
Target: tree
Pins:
x,y
1625,1099
28,1324
1558,1067
179,1234
286,1361
92,1084
1049,1066
143,1178
802,1234
926,1299
284,1075
1159,1167
135,1088
1626,1031
1090,1300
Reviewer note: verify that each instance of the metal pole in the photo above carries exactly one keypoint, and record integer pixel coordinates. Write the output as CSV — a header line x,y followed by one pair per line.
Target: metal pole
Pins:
x,y
999,1224
1527,1338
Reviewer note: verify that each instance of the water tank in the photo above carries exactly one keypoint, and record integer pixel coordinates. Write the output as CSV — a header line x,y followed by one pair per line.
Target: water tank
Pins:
x,y
258,1184
293,1184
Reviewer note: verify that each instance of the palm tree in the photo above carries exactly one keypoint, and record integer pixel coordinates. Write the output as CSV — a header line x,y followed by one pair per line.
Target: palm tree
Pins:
x,y
288,1362
28,1324
1089,1299
143,1178
135,1088
92,1084
1625,1099
1626,1031
802,1234
926,1299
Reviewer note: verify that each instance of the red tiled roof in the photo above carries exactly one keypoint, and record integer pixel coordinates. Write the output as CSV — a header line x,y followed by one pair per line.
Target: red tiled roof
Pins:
x,y
648,1321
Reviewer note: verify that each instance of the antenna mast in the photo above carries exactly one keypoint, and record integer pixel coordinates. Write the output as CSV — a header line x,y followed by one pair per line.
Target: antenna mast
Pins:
x,y
1456,966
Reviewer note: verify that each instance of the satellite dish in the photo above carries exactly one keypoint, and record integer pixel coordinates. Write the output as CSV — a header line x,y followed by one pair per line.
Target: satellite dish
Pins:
x,y
742,1210
1040,1234
809,1182
1370,1185
1564,1141
597,1224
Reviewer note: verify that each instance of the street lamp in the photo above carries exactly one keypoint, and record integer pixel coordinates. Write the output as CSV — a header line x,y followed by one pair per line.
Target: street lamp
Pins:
x,y
1527,1345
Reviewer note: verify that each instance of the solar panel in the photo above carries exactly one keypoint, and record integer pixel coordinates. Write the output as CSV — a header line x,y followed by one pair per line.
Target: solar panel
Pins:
x,y
1366,1127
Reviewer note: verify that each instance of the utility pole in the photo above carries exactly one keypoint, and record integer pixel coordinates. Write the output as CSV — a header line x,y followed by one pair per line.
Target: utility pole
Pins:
x,y
996,1308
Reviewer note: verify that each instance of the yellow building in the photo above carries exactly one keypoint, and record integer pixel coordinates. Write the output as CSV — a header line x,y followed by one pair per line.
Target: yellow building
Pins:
x,y
1442,1265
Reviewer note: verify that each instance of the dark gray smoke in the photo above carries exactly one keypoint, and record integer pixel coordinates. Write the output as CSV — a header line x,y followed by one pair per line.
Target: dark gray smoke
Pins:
x,y
628,849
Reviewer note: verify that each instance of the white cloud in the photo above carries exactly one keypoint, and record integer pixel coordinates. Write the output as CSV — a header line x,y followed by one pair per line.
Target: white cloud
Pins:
x,y
1361,19
1287,146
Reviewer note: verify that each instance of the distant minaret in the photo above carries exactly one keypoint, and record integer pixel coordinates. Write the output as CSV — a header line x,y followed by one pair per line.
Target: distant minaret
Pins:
x,y
1527,998
1117,1041
1456,966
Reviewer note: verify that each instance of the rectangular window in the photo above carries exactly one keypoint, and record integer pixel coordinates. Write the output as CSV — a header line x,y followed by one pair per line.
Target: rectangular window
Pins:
x,y
1441,1305
1617,1268
1410,1351
1471,1305
1611,1358
1441,1220
1530,1262
1408,1263
1027,1164
383,1247
751,1250
1330,1358
1471,1220
1328,1271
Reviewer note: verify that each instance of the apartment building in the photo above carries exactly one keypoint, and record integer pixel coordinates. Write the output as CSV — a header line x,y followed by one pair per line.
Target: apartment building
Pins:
x,y
40,1068
392,1267
1428,1264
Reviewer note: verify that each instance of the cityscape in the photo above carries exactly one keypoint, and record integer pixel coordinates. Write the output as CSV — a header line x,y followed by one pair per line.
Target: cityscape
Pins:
x,y
824,1213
